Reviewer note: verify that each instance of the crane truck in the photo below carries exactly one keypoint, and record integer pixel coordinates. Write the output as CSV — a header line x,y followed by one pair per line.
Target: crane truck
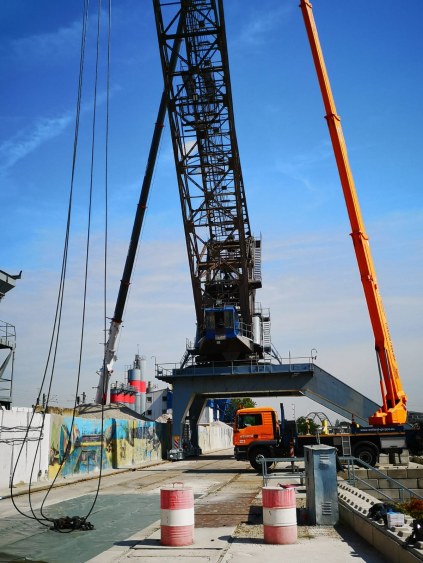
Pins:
x,y
256,431
263,432
393,410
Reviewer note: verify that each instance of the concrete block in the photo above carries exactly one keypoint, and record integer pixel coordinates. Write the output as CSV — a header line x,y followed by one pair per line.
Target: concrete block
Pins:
x,y
373,474
346,515
417,491
397,473
391,493
364,486
388,542
385,484
414,473
409,483
407,556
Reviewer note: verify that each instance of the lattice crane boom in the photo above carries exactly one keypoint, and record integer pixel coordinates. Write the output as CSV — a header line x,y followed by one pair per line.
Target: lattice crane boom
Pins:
x,y
223,255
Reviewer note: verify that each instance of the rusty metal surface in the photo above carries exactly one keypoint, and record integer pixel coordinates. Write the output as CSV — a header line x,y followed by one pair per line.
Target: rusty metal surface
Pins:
x,y
225,509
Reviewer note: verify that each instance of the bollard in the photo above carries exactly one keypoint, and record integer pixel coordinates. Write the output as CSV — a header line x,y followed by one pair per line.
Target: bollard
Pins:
x,y
177,515
279,515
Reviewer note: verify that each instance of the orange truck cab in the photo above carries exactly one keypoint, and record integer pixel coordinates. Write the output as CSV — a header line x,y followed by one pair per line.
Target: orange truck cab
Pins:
x,y
256,433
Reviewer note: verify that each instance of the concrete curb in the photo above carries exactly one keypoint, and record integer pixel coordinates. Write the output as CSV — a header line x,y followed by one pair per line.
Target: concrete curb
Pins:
x,y
353,509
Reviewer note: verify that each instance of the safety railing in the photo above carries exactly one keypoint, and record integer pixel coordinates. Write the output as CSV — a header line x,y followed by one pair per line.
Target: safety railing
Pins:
x,y
295,365
351,463
295,473
7,335
353,479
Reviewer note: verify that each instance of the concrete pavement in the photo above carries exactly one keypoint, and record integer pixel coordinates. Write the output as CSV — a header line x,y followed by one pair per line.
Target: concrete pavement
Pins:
x,y
238,544
228,524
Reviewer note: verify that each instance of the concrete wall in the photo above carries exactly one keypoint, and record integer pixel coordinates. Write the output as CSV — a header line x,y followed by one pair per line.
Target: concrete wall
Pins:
x,y
126,443
214,436
30,455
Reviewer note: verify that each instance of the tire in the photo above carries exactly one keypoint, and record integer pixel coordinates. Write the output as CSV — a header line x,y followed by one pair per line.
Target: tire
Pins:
x,y
254,457
367,452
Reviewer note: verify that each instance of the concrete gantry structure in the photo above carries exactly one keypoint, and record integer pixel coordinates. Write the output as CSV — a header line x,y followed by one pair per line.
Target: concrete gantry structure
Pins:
x,y
193,385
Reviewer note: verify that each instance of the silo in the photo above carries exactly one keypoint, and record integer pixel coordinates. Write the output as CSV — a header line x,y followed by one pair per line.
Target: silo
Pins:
x,y
114,395
136,380
130,397
117,394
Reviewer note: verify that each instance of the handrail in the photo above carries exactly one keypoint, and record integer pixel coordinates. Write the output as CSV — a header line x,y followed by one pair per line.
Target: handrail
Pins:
x,y
353,478
169,368
292,460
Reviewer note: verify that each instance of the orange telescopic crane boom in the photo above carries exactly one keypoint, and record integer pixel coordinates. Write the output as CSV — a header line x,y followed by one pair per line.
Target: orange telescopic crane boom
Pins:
x,y
393,410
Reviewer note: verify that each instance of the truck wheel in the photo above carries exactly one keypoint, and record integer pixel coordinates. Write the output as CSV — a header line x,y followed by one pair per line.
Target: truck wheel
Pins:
x,y
257,454
367,452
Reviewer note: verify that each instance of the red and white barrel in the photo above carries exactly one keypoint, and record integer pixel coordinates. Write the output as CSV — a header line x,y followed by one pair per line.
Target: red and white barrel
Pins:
x,y
279,515
177,515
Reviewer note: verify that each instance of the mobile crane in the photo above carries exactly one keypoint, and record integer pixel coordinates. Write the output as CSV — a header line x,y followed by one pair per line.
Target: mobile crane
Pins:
x,y
394,399
257,432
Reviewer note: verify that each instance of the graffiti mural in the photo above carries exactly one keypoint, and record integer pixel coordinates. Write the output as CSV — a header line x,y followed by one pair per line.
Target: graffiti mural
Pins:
x,y
136,441
82,448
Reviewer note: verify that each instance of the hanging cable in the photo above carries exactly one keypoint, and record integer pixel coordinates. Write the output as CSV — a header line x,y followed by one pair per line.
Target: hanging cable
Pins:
x,y
59,304
106,229
68,525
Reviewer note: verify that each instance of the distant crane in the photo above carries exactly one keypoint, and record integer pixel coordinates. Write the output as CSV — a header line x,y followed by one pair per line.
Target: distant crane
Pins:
x,y
116,322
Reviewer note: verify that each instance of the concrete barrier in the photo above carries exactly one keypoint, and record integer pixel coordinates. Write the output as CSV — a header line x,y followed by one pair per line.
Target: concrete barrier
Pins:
x,y
390,542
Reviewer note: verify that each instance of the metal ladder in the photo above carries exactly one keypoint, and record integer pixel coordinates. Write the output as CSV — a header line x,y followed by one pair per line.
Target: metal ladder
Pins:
x,y
346,445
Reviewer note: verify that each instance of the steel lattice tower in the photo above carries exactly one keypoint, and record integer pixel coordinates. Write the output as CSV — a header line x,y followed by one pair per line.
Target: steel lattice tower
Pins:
x,y
224,258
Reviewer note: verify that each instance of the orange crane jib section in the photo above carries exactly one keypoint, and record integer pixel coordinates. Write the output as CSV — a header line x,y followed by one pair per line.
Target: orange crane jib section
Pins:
x,y
393,410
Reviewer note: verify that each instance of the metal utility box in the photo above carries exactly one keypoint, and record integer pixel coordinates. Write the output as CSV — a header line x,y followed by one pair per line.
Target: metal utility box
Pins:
x,y
321,485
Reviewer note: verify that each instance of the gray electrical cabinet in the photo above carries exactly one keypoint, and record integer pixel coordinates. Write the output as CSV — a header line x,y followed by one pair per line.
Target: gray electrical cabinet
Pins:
x,y
321,485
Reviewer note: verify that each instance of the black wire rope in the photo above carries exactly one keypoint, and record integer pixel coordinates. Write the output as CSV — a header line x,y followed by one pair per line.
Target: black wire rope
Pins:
x,y
59,305
106,225
66,524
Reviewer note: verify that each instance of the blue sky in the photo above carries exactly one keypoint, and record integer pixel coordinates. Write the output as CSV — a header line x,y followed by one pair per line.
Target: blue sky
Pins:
x,y
311,282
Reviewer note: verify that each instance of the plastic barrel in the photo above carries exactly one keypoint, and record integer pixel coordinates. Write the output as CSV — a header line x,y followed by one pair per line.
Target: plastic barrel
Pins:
x,y
279,515
177,515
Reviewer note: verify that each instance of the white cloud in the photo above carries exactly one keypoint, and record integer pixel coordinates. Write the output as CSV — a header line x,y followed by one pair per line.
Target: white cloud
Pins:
x,y
310,283
44,129
49,46
27,141
261,23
